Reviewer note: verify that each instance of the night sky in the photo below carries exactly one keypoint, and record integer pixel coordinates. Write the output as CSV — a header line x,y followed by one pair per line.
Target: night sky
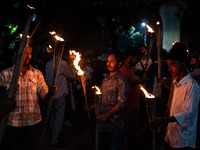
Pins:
x,y
94,24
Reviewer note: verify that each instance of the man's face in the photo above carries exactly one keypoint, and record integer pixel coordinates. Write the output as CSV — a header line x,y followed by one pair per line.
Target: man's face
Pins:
x,y
143,49
175,67
27,56
112,64
193,62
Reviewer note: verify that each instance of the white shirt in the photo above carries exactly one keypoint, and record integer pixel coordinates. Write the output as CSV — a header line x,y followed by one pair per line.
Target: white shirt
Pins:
x,y
184,108
139,66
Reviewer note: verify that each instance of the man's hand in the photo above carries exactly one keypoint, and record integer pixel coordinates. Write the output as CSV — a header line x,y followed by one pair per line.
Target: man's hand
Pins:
x,y
102,118
156,122
53,90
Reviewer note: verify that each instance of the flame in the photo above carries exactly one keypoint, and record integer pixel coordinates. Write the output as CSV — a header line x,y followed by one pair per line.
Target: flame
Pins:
x,y
30,7
98,91
21,35
52,32
59,38
50,46
56,36
147,95
149,29
76,61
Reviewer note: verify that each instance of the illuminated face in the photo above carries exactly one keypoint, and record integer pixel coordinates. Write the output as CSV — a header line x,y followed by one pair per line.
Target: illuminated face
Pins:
x,y
175,67
112,64
27,56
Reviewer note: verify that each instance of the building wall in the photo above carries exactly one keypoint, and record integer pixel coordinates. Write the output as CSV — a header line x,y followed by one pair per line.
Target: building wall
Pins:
x,y
171,17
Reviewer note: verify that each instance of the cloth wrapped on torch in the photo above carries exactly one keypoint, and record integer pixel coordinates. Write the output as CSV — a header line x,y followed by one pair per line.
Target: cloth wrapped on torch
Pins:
x,y
81,73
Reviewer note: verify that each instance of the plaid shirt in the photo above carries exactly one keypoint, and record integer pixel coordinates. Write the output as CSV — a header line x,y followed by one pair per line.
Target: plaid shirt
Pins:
x,y
114,92
31,86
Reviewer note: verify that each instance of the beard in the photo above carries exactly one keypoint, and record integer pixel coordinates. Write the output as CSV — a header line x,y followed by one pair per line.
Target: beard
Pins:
x,y
26,63
112,69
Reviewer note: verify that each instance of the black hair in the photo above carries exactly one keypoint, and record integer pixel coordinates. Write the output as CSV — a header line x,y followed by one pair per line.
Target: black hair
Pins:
x,y
142,45
179,52
133,51
118,55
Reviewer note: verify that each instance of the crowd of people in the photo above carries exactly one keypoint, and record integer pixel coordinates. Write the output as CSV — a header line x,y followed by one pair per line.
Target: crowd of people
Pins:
x,y
123,109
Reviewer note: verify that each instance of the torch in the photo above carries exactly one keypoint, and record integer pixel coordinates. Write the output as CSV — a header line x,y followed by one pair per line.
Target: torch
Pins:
x,y
150,99
81,74
57,56
17,69
158,45
152,37
98,96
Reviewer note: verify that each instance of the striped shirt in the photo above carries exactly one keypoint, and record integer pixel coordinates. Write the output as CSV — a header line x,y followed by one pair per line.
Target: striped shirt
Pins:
x,y
31,86
114,92
184,108
64,73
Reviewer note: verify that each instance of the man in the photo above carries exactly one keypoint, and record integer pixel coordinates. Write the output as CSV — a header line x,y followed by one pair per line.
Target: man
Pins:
x,y
142,66
195,71
58,104
23,121
132,105
114,94
182,122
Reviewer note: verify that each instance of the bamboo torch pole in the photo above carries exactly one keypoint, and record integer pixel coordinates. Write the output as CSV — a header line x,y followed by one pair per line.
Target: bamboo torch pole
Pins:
x,y
17,69
56,65
97,101
158,44
83,83
98,97
152,37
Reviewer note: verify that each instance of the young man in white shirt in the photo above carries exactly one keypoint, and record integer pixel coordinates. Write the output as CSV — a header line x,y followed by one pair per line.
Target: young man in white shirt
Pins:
x,y
182,123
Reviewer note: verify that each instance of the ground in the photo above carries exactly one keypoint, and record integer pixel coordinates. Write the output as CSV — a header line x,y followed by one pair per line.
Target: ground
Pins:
x,y
82,136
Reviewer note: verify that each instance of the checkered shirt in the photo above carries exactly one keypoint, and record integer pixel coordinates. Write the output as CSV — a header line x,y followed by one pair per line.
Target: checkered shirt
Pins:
x,y
31,86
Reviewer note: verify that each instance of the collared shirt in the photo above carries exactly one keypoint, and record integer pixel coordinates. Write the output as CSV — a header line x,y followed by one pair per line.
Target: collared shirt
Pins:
x,y
133,101
114,92
31,86
184,108
64,72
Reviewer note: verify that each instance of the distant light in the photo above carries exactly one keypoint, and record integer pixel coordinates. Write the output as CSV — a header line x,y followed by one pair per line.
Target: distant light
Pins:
x,y
143,24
